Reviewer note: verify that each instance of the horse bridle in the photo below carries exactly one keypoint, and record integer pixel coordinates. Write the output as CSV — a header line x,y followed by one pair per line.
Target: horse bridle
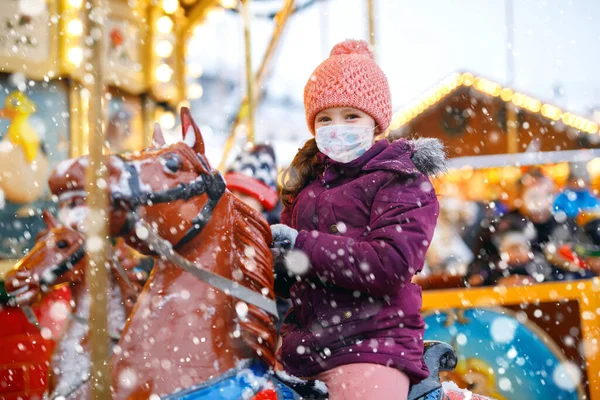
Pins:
x,y
48,278
214,186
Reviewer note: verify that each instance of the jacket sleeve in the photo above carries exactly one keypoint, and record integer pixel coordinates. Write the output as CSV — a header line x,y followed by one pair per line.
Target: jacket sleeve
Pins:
x,y
402,221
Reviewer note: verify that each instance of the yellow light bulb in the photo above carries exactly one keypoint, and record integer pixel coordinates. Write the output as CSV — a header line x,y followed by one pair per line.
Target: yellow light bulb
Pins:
x,y
75,3
75,27
167,120
164,73
467,79
506,94
75,56
164,24
170,6
195,91
229,3
164,48
194,70
535,105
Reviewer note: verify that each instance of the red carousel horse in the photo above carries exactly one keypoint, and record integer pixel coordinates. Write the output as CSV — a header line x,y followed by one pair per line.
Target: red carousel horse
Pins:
x,y
203,326
57,259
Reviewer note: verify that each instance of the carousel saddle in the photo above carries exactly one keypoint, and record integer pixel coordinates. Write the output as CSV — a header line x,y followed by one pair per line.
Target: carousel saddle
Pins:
x,y
438,356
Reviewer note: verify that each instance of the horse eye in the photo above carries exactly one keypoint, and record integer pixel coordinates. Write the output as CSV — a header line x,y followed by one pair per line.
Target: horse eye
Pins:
x,y
62,244
172,164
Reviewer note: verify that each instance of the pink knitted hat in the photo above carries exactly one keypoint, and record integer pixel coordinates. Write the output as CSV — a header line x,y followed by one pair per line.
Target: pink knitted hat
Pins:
x,y
349,78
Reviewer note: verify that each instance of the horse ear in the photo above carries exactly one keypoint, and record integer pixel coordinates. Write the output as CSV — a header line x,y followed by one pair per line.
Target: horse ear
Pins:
x,y
158,140
190,131
49,219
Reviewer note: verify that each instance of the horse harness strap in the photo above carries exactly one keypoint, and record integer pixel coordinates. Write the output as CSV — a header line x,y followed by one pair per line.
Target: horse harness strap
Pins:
x,y
163,248
47,280
212,184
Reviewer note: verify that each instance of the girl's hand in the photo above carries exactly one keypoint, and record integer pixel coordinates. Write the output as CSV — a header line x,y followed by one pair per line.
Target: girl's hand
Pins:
x,y
283,236
284,239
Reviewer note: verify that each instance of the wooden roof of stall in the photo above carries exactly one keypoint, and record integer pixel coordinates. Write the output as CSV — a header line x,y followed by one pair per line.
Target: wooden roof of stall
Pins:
x,y
469,114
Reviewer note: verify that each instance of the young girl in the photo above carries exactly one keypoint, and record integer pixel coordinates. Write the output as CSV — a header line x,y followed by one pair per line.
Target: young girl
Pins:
x,y
363,212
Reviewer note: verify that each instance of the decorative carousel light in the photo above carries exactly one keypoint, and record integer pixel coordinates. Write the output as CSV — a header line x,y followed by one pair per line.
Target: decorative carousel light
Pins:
x,y
164,24
167,120
164,48
551,112
518,99
170,6
75,27
506,94
75,3
488,87
568,119
195,91
215,14
593,167
194,70
164,73
229,3
590,126
533,105
467,79
75,56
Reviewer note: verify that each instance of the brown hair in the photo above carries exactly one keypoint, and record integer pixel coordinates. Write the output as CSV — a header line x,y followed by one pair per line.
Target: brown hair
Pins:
x,y
304,169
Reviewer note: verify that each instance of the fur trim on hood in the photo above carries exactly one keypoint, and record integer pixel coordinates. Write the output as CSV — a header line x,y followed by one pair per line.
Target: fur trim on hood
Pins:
x,y
429,156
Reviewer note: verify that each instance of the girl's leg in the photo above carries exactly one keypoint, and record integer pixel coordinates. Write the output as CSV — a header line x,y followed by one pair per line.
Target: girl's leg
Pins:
x,y
365,381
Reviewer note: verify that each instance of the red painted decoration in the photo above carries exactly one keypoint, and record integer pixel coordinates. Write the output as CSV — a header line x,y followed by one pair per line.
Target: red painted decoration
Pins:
x,y
24,353
268,394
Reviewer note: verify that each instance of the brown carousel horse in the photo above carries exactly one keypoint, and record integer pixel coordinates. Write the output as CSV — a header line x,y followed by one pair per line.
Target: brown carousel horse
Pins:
x,y
203,326
58,258
183,331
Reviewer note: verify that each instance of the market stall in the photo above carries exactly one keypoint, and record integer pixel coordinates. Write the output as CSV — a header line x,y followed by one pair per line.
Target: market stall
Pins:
x,y
533,337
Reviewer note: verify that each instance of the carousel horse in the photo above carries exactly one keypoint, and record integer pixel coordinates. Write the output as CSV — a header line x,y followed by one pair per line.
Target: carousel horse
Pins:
x,y
204,324
58,258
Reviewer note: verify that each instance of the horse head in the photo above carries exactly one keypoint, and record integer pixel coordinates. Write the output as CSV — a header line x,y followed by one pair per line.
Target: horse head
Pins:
x,y
55,259
150,184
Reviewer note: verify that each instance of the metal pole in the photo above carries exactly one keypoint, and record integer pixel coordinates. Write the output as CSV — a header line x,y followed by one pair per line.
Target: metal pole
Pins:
x,y
97,200
371,13
512,129
510,42
245,4
281,20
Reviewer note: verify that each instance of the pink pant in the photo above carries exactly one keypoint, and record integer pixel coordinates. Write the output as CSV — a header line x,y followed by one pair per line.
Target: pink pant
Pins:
x,y
365,381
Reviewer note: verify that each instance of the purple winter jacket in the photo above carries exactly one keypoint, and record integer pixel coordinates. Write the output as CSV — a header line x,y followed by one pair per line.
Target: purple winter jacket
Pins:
x,y
365,227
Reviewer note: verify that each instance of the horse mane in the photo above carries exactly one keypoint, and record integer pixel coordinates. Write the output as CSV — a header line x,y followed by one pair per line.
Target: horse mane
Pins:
x,y
253,268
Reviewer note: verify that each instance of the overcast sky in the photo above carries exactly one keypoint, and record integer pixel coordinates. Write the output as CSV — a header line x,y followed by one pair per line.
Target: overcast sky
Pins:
x,y
421,42
556,43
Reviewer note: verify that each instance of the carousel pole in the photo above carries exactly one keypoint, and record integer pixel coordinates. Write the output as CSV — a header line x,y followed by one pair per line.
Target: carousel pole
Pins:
x,y
512,124
512,129
280,22
97,201
245,4
371,14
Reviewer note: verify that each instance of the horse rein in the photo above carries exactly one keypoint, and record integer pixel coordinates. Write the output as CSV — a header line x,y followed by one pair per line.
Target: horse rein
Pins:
x,y
164,248
214,186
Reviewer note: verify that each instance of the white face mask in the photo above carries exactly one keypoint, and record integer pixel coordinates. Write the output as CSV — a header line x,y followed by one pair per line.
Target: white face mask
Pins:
x,y
344,143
